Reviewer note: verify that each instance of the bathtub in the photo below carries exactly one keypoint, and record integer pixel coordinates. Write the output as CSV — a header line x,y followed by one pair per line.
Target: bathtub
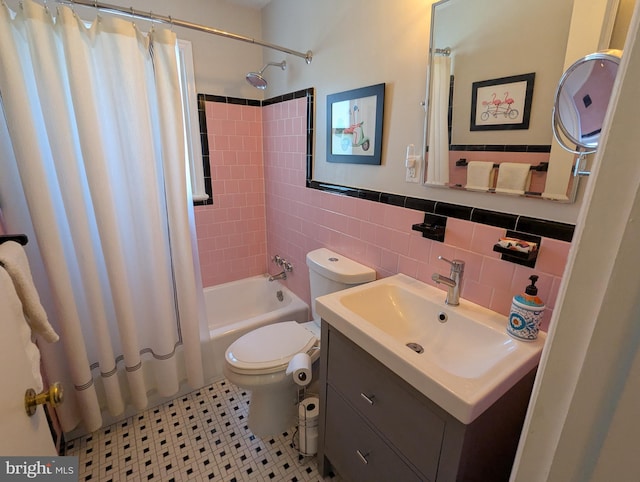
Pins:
x,y
237,307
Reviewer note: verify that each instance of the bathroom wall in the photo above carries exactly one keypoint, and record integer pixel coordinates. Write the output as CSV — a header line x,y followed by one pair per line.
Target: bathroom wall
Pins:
x,y
379,235
260,210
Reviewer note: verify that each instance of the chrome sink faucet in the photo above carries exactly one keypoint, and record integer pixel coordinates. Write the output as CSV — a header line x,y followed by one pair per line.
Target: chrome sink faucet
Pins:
x,y
453,282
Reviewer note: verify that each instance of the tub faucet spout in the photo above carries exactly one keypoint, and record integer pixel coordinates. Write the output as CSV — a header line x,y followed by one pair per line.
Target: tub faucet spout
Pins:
x,y
282,275
452,282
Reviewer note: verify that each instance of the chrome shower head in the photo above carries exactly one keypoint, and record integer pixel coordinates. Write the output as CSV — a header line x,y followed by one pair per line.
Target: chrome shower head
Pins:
x,y
257,80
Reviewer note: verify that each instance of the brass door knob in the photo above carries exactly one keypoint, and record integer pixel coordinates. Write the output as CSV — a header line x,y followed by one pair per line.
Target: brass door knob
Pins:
x,y
54,397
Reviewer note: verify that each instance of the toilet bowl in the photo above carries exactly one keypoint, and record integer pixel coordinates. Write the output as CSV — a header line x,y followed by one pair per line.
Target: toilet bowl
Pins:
x,y
258,360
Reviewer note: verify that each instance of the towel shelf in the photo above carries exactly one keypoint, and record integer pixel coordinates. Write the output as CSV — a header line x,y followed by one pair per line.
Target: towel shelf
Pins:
x,y
18,238
542,167
433,227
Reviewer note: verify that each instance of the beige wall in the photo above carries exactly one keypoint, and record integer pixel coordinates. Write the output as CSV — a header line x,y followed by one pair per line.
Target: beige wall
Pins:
x,y
356,44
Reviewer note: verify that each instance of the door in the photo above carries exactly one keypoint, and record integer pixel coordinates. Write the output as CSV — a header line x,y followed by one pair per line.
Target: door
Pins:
x,y
21,434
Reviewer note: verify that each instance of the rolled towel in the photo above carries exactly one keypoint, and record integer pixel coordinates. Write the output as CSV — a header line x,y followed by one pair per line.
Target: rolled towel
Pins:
x,y
17,336
480,175
14,260
513,178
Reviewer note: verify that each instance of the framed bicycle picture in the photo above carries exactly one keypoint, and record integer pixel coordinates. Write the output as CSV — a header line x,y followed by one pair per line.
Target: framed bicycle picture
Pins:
x,y
502,104
354,125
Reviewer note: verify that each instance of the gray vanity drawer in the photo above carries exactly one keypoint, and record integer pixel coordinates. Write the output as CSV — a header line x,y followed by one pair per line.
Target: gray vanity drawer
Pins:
x,y
373,390
357,452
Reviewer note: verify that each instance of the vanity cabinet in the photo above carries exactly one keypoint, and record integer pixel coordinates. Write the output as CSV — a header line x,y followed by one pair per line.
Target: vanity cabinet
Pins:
x,y
375,426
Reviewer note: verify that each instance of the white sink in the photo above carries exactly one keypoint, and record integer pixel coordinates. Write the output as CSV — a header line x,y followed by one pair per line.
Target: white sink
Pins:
x,y
467,361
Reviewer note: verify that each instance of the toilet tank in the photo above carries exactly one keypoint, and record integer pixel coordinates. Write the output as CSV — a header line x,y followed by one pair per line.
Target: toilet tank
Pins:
x,y
330,272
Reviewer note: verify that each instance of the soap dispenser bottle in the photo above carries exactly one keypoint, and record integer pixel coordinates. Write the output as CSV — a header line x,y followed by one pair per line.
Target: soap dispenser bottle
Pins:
x,y
526,313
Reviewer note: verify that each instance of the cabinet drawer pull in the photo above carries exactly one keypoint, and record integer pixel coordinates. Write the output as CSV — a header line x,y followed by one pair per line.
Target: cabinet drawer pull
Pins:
x,y
363,458
368,398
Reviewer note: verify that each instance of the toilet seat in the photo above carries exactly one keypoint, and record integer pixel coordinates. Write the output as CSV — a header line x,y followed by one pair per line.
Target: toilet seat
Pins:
x,y
270,348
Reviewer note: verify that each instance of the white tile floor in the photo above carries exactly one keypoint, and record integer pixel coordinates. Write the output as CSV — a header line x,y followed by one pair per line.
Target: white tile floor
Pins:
x,y
200,436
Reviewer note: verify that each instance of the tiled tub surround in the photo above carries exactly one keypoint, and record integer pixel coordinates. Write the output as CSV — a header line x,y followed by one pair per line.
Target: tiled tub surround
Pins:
x,y
231,231
378,234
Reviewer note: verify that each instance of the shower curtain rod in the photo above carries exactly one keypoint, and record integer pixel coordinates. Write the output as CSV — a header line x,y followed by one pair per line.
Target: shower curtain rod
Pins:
x,y
308,56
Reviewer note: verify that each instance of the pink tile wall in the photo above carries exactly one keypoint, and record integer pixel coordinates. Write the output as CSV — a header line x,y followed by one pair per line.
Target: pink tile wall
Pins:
x,y
379,235
232,231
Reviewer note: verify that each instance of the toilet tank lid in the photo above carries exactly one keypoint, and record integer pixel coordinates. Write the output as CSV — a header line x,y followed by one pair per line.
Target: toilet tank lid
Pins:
x,y
339,268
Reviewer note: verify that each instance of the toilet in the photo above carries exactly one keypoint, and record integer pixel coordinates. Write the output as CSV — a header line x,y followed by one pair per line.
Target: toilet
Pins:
x,y
258,360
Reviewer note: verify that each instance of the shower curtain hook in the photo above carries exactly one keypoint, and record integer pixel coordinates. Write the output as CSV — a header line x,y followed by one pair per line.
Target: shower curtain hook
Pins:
x,y
133,15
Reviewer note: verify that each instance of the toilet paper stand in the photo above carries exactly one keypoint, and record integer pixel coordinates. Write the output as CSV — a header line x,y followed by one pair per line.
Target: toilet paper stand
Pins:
x,y
308,414
300,369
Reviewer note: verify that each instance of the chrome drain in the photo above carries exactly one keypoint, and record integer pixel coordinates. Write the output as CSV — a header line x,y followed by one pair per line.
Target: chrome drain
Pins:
x,y
416,347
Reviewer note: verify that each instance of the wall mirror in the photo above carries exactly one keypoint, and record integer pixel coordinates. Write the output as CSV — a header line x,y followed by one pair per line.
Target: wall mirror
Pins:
x,y
581,102
493,102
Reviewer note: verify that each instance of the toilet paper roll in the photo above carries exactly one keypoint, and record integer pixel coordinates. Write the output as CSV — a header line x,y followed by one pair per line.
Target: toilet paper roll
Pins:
x,y
300,368
309,410
308,413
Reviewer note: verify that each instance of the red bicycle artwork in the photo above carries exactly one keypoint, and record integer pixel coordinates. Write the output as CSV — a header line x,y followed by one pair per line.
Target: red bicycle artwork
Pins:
x,y
496,106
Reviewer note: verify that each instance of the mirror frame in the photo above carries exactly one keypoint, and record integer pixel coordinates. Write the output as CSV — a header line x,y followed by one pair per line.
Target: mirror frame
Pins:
x,y
560,132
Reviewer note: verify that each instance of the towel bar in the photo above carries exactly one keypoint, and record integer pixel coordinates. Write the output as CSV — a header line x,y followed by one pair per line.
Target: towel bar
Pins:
x,y
542,167
18,238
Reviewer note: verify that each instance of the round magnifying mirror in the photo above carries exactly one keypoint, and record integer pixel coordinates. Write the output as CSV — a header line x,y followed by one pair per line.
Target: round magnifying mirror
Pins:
x,y
582,99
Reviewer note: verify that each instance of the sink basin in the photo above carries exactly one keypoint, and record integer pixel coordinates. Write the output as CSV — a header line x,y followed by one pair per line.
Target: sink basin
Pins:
x,y
460,357
449,336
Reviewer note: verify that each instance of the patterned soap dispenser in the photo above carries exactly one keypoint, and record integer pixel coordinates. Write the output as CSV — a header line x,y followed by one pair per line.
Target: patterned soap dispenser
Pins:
x,y
526,313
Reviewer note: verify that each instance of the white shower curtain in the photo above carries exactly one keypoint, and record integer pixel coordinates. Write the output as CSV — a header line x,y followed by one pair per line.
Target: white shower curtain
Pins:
x,y
438,141
94,118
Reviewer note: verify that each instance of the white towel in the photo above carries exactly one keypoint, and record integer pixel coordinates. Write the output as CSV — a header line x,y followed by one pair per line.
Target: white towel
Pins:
x,y
14,259
17,330
480,175
513,178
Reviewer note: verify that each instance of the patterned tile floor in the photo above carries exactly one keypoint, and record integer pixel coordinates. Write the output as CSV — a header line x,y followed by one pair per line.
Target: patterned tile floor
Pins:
x,y
200,436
